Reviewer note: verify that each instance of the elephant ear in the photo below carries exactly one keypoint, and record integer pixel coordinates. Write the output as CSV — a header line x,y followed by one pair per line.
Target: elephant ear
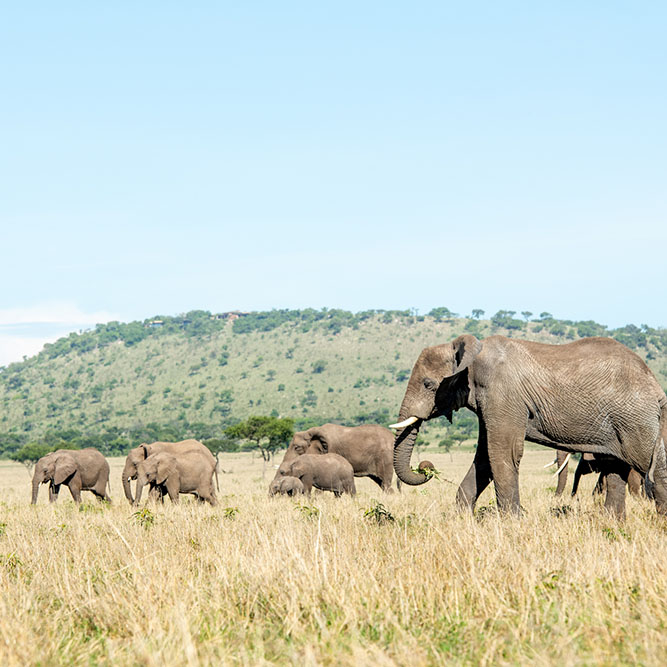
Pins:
x,y
165,467
318,441
454,393
466,348
456,390
65,467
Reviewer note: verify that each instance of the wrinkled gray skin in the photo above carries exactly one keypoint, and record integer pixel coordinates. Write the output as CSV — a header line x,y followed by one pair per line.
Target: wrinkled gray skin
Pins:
x,y
186,472
80,469
327,472
368,448
593,395
138,454
286,486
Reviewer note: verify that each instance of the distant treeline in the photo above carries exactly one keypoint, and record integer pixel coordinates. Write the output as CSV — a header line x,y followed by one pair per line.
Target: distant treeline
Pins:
x,y
202,323
115,441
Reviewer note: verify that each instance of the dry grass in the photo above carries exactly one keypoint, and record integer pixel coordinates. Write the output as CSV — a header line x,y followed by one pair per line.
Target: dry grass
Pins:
x,y
319,582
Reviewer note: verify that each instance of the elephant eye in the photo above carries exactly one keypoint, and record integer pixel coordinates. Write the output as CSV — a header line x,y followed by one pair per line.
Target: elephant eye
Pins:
x,y
430,384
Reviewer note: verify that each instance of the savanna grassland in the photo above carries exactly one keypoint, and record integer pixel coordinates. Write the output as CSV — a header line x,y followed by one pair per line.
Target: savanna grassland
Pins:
x,y
331,581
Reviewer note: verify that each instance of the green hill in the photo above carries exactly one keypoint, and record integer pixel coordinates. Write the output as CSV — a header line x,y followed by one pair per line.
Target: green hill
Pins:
x,y
193,375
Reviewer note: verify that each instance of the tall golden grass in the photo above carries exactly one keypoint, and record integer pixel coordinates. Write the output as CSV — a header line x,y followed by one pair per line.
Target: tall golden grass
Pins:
x,y
330,581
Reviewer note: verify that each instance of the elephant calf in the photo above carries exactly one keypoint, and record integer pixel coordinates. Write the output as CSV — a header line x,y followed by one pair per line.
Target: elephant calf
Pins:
x,y
327,472
589,463
287,486
80,469
189,472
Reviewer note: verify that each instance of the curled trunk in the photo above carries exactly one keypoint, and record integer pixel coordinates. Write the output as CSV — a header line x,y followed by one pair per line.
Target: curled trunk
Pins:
x,y
403,445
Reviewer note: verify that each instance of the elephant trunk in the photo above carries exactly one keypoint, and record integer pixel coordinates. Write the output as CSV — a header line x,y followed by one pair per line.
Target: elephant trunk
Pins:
x,y
411,407
126,485
403,446
35,489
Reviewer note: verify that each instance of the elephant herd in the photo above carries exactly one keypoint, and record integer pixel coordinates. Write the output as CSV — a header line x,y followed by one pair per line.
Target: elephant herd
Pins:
x,y
593,396
169,468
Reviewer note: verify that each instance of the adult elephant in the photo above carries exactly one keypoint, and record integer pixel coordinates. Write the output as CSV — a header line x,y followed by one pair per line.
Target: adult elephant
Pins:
x,y
139,454
368,448
185,472
79,469
593,395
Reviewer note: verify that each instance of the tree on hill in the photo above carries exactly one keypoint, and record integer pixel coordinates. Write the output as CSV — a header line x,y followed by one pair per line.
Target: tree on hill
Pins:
x,y
267,434
441,314
29,454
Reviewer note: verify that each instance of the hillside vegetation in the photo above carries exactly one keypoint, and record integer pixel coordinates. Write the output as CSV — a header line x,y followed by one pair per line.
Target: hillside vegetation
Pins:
x,y
195,374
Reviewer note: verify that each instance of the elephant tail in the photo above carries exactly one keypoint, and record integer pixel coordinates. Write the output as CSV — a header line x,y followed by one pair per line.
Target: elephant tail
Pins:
x,y
217,467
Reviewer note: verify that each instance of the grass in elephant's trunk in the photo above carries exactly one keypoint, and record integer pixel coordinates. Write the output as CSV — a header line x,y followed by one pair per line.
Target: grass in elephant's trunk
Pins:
x,y
280,581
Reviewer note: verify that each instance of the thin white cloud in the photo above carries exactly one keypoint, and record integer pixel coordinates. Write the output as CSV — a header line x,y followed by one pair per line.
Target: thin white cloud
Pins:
x,y
14,348
24,331
53,312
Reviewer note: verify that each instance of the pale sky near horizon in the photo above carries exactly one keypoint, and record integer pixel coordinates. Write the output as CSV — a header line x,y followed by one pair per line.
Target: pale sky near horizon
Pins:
x,y
159,157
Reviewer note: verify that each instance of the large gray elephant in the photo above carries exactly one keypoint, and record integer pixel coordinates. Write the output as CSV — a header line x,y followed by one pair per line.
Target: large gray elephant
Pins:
x,y
593,395
368,448
185,472
80,469
139,454
327,472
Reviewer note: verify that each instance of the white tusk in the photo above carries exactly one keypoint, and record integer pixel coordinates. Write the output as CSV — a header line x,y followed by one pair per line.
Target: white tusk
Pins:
x,y
403,424
567,458
553,463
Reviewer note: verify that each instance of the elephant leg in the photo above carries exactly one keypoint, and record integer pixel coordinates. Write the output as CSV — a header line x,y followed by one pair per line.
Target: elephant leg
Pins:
x,y
659,486
505,452
617,479
54,490
100,490
75,490
635,483
173,489
601,484
562,475
577,476
478,476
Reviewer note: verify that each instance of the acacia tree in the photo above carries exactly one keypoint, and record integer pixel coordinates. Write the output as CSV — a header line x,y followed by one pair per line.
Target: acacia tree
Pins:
x,y
267,434
29,454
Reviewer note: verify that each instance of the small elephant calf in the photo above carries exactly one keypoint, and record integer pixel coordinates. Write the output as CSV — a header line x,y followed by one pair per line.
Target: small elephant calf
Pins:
x,y
190,472
287,486
80,469
327,472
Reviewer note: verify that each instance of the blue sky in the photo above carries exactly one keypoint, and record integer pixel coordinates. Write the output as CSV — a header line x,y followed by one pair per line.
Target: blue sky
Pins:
x,y
158,157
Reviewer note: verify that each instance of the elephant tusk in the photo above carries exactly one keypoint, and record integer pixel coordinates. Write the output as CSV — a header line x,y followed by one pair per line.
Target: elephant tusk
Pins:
x,y
553,463
567,458
408,422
